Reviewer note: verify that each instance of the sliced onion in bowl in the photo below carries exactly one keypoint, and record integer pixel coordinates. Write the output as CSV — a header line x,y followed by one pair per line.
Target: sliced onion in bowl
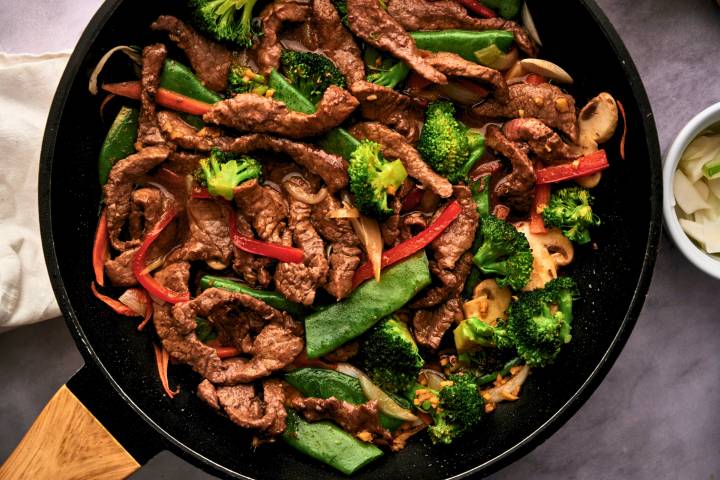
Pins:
x,y
131,52
373,392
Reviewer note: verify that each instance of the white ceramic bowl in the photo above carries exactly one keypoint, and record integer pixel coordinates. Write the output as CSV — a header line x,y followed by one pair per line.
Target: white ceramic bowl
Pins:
x,y
704,261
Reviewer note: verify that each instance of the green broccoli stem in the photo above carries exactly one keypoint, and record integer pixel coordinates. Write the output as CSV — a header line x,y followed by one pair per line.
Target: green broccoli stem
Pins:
x,y
565,302
392,77
476,144
491,377
481,194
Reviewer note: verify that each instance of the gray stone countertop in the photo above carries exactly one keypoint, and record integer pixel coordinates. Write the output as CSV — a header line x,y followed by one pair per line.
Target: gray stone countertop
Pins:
x,y
656,414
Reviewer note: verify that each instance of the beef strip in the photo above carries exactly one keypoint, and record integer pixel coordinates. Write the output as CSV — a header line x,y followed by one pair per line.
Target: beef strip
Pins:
x,y
265,207
210,60
275,347
335,41
395,146
331,168
411,224
343,353
351,418
119,269
255,113
390,228
389,107
452,283
117,191
544,143
183,163
208,237
345,253
253,269
545,102
298,281
273,17
516,190
243,407
454,65
429,326
458,237
372,23
446,15
153,59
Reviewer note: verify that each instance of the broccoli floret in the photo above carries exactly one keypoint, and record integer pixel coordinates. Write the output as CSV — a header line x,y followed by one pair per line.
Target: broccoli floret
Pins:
x,y
472,333
311,73
459,408
447,145
391,77
372,178
570,210
226,20
539,321
504,252
242,79
390,356
222,172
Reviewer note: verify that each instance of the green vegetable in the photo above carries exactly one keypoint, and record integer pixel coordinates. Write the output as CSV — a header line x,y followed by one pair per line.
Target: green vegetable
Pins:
x,y
480,190
328,443
340,142
383,69
271,298
504,371
310,73
177,77
472,333
226,20
504,252
390,356
292,97
447,145
711,169
204,330
491,57
459,411
539,322
506,8
463,42
324,383
570,210
327,329
222,172
242,79
119,141
341,7
372,178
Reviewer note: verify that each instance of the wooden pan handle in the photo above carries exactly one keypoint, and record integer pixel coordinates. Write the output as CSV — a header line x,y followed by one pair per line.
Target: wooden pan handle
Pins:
x,y
67,442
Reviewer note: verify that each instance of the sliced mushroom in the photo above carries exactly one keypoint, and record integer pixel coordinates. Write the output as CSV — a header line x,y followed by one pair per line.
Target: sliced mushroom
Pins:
x,y
550,250
547,69
597,121
489,302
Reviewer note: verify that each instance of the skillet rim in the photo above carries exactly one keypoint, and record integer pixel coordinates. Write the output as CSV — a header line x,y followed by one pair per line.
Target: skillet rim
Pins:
x,y
544,431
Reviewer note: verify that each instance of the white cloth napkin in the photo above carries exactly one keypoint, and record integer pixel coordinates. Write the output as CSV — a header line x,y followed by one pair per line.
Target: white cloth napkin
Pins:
x,y
27,86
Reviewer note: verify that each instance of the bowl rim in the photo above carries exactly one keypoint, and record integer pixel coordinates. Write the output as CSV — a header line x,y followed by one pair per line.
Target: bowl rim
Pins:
x,y
697,256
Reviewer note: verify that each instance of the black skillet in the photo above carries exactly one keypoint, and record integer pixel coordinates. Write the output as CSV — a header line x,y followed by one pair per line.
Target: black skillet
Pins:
x,y
119,383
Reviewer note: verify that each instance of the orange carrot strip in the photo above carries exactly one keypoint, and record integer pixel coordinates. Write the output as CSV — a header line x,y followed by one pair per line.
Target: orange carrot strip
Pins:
x,y
166,98
100,249
149,309
162,358
624,135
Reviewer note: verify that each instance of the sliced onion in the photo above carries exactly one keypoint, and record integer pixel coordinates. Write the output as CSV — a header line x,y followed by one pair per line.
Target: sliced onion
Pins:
x,y
387,405
509,389
154,265
433,378
368,231
131,52
344,213
465,92
300,195
133,300
529,24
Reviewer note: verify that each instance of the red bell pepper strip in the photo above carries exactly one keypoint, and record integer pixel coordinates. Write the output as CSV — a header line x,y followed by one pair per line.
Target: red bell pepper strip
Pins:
x,y
477,8
117,306
138,264
100,249
586,165
162,358
412,200
622,139
541,200
412,245
265,249
166,98
535,79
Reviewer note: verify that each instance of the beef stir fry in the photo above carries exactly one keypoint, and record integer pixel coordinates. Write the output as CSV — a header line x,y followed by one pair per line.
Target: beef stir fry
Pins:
x,y
348,217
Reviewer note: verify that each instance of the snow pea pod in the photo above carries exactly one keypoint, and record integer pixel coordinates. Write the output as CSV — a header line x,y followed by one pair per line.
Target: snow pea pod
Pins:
x,y
340,142
328,443
327,329
463,42
324,383
177,77
271,298
119,141
285,92
506,8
